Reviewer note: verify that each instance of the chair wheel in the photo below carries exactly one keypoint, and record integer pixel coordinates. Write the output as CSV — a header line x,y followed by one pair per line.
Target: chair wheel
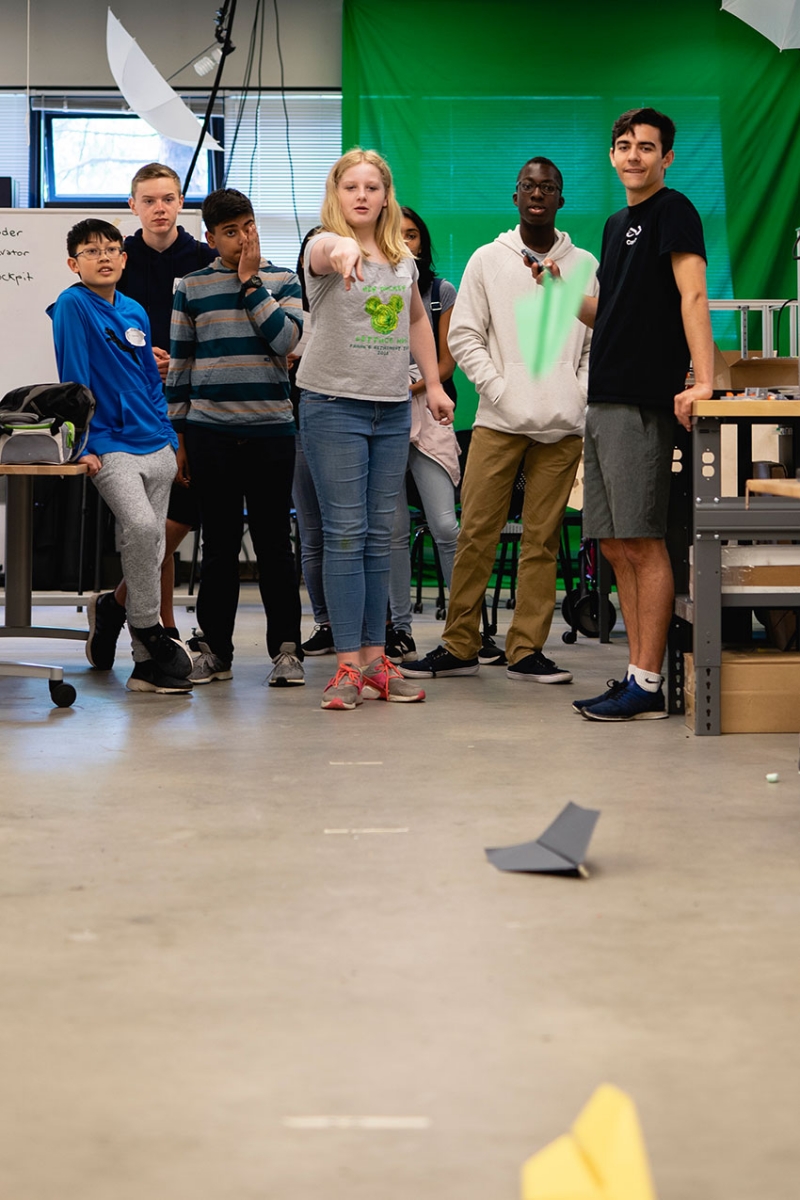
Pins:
x,y
511,603
62,694
569,636
441,613
587,615
418,607
568,604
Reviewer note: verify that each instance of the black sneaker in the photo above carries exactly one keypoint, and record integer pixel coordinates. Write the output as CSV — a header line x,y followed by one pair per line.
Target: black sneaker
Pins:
x,y
400,646
106,619
615,686
320,642
439,662
535,668
148,676
490,654
173,658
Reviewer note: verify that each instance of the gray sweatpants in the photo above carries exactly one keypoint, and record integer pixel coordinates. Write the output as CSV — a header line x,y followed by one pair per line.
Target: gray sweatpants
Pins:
x,y
136,488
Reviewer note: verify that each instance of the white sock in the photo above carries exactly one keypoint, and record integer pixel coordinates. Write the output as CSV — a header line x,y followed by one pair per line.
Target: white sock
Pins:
x,y
648,681
630,670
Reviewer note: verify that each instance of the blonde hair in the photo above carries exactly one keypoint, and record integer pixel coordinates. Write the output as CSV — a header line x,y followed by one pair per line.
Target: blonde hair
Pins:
x,y
154,171
387,228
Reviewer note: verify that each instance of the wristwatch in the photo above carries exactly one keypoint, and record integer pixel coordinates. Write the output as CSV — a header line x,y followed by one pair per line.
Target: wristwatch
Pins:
x,y
253,282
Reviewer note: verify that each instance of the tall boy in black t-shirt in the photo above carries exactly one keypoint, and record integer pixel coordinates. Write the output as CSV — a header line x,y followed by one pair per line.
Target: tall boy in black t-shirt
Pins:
x,y
650,318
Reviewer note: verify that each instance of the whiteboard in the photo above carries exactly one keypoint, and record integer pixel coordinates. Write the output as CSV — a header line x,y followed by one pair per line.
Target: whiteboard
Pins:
x,y
33,272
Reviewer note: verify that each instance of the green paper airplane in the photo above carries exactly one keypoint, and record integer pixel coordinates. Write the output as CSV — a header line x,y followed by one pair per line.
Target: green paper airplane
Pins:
x,y
544,318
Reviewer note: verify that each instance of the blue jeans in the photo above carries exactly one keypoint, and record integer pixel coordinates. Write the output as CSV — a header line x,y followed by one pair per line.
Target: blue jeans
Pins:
x,y
438,498
309,523
357,451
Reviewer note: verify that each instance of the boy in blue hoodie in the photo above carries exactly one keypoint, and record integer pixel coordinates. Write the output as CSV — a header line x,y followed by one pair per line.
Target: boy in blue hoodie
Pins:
x,y
102,340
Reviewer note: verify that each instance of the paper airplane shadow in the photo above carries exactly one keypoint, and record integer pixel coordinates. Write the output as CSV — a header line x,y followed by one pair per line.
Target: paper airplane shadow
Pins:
x,y
560,850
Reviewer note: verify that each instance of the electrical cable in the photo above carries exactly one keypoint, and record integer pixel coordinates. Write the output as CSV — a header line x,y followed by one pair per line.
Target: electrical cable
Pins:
x,y
286,118
245,92
258,102
227,48
778,323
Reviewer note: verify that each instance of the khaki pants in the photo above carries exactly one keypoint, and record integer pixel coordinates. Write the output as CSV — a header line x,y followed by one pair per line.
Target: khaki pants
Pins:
x,y
550,469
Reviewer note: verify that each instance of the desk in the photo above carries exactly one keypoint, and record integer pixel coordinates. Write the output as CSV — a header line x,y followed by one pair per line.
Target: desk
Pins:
x,y
19,577
714,519
19,551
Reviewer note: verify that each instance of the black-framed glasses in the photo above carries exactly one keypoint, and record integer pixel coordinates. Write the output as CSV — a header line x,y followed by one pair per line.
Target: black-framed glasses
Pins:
x,y
528,185
93,252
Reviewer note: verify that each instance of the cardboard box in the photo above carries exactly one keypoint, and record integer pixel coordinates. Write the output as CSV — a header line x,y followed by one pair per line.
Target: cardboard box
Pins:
x,y
766,567
760,568
734,373
760,691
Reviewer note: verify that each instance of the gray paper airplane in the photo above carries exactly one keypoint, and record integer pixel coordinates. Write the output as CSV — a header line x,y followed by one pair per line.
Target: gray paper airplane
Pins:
x,y
559,850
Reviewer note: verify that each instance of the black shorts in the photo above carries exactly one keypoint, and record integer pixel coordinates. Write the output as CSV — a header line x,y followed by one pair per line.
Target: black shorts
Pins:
x,y
183,506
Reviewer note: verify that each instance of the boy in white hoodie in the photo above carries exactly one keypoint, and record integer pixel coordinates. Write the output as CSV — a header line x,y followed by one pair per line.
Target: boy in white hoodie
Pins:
x,y
520,422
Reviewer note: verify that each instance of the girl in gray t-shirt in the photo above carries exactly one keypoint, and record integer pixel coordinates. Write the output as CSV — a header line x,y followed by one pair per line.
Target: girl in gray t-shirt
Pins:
x,y
355,419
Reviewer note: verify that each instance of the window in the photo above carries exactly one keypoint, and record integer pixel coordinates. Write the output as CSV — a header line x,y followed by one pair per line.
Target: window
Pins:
x,y
259,163
14,154
90,156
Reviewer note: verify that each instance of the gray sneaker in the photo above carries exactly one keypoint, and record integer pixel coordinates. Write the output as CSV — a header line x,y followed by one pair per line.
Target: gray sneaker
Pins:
x,y
288,670
207,667
383,681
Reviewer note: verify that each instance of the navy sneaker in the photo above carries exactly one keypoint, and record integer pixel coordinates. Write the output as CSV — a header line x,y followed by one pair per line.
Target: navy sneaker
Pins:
x,y
106,619
535,668
615,686
631,703
439,662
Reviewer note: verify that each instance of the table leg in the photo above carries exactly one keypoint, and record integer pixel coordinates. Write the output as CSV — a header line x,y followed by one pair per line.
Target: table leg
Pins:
x,y
19,550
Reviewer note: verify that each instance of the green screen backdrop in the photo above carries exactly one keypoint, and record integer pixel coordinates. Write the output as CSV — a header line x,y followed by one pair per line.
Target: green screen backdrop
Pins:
x,y
458,94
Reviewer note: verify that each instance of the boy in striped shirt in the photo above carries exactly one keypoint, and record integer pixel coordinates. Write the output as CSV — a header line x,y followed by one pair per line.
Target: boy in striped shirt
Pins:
x,y
233,324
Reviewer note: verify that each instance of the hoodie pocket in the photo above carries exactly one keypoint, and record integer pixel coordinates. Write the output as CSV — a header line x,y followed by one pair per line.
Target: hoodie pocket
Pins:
x,y
137,415
556,403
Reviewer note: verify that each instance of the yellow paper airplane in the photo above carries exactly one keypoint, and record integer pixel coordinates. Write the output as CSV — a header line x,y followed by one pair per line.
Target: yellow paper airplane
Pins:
x,y
602,1158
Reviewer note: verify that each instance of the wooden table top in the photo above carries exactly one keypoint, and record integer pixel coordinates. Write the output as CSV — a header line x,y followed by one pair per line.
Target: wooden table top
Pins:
x,y
773,487
43,469
731,406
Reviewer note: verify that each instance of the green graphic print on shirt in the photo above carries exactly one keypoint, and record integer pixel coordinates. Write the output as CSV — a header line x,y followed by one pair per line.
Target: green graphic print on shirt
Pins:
x,y
384,317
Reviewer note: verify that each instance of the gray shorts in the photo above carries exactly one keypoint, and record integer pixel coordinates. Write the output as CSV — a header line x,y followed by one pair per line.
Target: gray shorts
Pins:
x,y
627,471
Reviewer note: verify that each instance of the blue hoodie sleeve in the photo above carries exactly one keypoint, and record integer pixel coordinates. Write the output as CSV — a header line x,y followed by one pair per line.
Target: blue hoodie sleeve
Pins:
x,y
71,344
156,386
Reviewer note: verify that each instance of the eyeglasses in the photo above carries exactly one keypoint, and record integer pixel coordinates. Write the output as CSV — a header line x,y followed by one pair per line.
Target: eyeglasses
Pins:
x,y
93,252
527,186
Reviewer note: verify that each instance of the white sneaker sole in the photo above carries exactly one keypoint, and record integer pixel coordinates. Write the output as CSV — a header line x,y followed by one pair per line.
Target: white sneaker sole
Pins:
x,y
142,685
565,677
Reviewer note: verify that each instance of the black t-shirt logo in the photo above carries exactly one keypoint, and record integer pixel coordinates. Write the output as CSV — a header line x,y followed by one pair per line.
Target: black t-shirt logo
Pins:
x,y
632,235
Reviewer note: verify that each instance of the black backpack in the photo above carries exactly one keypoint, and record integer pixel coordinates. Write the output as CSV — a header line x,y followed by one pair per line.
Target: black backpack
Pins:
x,y
54,402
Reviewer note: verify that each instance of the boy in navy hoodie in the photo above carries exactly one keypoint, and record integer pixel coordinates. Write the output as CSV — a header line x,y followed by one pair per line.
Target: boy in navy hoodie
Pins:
x,y
102,340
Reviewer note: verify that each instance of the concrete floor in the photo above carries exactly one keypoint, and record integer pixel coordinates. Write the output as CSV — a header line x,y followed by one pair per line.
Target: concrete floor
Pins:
x,y
225,913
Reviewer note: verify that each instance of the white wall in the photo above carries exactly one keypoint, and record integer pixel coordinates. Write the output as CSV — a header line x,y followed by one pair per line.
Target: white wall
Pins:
x,y
68,41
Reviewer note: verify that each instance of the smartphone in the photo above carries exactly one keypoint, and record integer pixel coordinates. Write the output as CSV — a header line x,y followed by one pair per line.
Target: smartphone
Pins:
x,y
531,257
